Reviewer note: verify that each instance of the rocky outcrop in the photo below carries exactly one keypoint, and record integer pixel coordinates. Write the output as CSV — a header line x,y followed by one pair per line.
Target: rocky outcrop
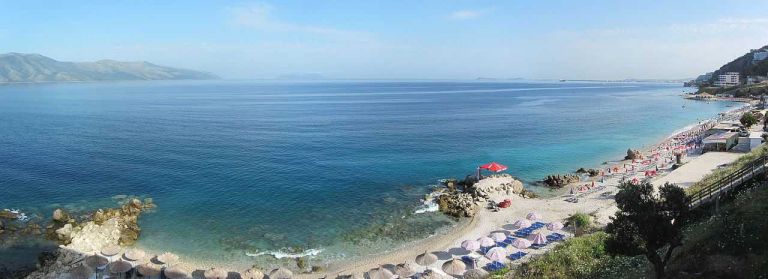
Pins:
x,y
590,172
560,181
466,202
104,227
633,154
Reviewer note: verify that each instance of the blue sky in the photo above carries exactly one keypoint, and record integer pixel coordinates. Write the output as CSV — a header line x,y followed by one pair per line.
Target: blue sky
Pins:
x,y
395,39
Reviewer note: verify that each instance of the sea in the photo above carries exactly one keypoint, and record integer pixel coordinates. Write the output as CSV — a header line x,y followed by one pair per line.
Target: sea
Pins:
x,y
264,171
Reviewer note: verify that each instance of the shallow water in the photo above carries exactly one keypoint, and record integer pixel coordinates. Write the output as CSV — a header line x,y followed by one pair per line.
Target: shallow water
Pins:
x,y
242,167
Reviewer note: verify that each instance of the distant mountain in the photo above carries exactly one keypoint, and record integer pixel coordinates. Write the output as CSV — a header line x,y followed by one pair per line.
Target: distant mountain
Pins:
x,y
19,67
753,63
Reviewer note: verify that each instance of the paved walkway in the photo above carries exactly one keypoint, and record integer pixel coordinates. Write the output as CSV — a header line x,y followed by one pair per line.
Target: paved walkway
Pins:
x,y
697,168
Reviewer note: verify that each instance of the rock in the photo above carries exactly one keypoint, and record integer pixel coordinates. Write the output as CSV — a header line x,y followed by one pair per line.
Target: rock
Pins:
x,y
60,215
317,268
559,181
633,154
8,215
457,204
65,232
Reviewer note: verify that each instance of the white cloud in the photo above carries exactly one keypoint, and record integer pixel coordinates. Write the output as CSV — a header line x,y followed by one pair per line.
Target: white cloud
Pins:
x,y
259,16
465,14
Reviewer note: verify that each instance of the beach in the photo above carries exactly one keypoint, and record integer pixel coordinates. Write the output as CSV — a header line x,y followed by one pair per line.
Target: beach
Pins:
x,y
208,207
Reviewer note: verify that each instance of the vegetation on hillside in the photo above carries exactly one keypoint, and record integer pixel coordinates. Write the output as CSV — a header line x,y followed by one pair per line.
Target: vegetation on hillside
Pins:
x,y
583,257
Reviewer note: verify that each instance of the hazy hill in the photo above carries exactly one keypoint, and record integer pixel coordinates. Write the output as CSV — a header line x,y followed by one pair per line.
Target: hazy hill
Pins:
x,y
744,65
19,67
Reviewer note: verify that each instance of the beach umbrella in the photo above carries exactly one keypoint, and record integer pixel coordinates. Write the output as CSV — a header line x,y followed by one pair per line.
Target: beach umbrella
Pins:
x,y
168,258
555,226
496,254
180,273
426,259
150,269
537,238
215,273
470,245
379,273
404,270
252,273
522,223
521,243
80,272
431,274
96,262
494,167
120,267
486,241
111,250
454,267
478,273
134,255
498,236
533,216
280,273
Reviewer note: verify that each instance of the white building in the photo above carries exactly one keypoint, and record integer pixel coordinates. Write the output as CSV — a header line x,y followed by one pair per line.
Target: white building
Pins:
x,y
728,79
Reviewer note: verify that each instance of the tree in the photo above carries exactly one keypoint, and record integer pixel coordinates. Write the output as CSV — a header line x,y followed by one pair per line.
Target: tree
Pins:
x,y
646,223
748,119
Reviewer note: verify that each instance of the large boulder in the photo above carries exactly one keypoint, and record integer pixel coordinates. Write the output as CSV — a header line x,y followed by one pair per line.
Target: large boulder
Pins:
x,y
560,181
59,215
633,154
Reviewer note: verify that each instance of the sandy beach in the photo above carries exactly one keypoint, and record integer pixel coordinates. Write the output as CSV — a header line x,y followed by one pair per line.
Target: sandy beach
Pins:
x,y
597,201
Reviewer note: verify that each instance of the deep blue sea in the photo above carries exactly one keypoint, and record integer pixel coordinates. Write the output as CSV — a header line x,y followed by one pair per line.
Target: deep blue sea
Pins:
x,y
240,167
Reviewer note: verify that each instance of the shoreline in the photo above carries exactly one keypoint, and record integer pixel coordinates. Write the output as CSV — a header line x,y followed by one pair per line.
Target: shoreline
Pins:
x,y
481,224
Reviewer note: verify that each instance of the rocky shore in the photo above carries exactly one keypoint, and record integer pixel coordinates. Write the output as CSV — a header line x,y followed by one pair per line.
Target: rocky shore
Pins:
x,y
463,199
79,237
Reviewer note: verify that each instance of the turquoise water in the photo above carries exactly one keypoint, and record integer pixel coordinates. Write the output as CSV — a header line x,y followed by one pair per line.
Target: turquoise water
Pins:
x,y
242,167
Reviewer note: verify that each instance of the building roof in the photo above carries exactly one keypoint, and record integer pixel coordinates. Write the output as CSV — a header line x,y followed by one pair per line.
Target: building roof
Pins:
x,y
720,137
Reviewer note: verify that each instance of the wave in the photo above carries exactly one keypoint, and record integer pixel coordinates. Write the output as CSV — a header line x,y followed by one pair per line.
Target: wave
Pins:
x,y
429,202
21,216
286,254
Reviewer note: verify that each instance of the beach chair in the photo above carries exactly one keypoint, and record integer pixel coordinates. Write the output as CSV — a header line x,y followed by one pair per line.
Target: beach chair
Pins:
x,y
509,239
494,266
502,244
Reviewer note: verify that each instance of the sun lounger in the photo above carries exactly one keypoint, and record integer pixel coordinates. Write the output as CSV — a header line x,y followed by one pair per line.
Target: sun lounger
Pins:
x,y
494,266
539,246
502,244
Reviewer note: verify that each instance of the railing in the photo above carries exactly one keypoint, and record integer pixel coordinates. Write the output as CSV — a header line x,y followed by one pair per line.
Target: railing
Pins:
x,y
731,180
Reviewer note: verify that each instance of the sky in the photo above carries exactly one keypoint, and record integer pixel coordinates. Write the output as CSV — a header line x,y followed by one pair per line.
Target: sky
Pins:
x,y
395,39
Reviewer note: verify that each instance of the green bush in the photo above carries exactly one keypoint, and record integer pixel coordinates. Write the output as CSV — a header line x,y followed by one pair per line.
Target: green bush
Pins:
x,y
583,257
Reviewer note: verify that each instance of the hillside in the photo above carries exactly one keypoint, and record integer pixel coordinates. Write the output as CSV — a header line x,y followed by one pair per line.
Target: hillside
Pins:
x,y
18,67
744,65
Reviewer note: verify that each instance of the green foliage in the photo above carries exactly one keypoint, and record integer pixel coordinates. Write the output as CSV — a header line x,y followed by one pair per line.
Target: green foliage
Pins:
x,y
499,273
583,257
646,223
732,243
748,119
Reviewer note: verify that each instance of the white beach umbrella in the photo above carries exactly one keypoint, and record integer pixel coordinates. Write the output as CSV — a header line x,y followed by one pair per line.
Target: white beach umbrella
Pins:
x,y
120,267
477,273
486,241
426,259
134,255
555,226
280,273
521,243
537,238
533,216
498,236
522,223
168,258
150,270
96,262
215,273
431,274
379,273
454,267
179,273
496,254
404,270
111,250
252,273
470,245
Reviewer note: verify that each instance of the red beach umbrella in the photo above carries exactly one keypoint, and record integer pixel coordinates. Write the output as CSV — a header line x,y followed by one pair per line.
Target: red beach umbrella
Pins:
x,y
494,167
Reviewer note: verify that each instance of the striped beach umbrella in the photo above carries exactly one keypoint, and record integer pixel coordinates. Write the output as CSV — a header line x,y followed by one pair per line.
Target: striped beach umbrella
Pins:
x,y
533,216
555,226
470,245
498,236
522,223
486,241
496,254
521,243
537,238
